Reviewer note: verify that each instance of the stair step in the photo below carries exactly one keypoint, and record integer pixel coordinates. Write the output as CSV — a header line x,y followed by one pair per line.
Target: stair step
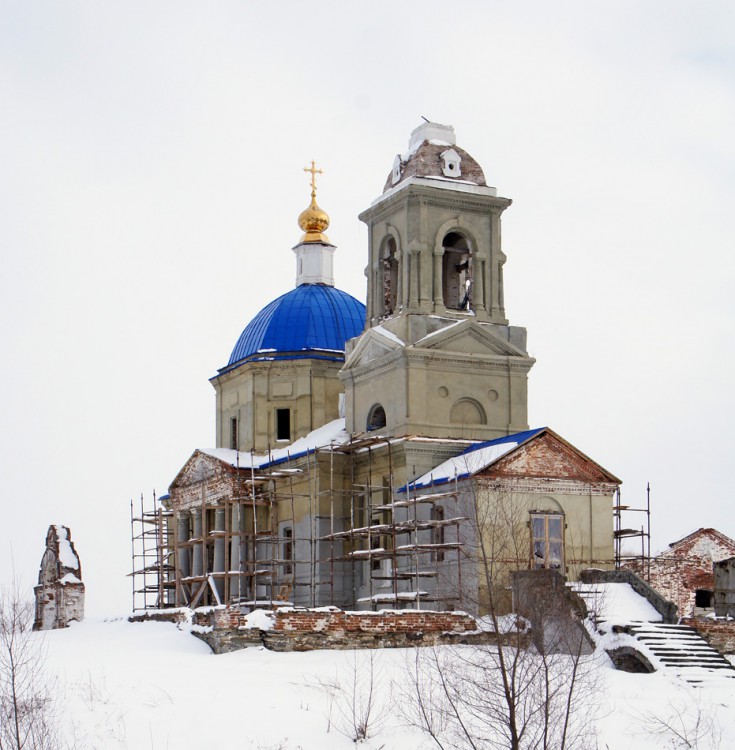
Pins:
x,y
697,663
680,650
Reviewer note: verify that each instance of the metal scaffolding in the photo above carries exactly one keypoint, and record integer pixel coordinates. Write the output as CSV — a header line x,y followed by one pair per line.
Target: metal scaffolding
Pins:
x,y
644,533
153,569
244,549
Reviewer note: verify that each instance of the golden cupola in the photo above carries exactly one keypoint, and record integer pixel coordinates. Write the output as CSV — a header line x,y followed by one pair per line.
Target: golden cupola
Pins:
x,y
314,264
313,221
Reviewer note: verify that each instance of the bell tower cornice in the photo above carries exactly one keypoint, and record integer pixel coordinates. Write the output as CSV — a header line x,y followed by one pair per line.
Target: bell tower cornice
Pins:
x,y
433,195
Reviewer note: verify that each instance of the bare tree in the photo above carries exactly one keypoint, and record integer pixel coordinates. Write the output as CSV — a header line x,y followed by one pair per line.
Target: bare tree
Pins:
x,y
356,709
524,689
26,700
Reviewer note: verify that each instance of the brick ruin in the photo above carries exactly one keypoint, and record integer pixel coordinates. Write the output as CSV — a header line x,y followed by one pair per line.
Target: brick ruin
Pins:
x,y
60,591
719,633
227,629
684,573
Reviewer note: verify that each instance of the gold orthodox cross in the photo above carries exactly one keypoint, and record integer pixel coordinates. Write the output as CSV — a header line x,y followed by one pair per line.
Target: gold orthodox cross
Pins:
x,y
314,172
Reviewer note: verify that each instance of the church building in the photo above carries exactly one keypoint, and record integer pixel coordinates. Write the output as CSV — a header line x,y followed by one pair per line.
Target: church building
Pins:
x,y
367,455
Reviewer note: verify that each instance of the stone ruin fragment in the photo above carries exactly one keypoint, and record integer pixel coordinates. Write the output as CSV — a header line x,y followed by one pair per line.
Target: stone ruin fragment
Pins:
x,y
60,591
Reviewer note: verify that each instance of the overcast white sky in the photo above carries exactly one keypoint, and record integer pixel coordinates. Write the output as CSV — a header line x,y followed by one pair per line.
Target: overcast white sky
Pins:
x,y
150,180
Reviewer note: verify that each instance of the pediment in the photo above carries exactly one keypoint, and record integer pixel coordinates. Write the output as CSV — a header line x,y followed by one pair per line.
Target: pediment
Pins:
x,y
199,468
468,337
548,456
371,346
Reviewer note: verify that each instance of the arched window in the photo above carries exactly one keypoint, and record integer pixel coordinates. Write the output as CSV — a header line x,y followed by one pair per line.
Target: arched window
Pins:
x,y
467,411
389,263
376,418
457,272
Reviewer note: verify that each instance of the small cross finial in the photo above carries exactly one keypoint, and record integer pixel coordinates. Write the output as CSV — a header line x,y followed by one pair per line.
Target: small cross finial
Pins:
x,y
314,172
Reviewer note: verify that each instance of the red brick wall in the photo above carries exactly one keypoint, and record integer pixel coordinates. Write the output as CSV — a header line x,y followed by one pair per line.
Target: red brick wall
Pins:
x,y
720,634
331,621
310,621
548,457
686,567
676,579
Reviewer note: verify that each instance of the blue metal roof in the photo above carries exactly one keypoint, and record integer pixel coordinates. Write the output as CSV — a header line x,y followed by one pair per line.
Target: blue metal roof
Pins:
x,y
313,320
516,437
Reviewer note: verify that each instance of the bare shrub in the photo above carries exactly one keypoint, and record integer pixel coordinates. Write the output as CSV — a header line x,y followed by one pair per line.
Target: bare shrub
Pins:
x,y
355,707
27,719
686,722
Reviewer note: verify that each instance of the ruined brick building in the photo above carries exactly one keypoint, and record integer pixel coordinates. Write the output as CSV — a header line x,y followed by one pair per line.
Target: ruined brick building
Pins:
x,y
362,451
684,573
59,594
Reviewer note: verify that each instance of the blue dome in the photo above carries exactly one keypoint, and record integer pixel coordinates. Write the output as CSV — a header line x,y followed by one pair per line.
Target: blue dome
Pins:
x,y
311,320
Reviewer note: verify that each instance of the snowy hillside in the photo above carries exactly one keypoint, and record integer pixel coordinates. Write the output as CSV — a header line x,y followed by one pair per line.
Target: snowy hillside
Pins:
x,y
152,685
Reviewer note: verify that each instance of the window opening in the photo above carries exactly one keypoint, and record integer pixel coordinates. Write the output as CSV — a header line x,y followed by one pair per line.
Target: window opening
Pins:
x,y
376,418
703,598
288,550
547,541
375,543
380,541
283,424
437,514
233,433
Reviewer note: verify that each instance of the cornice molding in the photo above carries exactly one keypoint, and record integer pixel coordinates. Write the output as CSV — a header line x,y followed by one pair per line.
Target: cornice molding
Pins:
x,y
434,196
541,485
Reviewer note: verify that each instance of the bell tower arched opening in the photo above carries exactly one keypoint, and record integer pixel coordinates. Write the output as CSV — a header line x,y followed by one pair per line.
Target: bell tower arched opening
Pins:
x,y
389,266
457,268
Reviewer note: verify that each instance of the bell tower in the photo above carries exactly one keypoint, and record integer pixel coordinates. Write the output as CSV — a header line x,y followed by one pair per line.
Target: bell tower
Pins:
x,y
439,357
434,235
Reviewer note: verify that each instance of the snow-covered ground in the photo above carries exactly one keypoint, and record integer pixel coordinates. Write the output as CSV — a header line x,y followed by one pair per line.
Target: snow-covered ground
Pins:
x,y
153,685
616,602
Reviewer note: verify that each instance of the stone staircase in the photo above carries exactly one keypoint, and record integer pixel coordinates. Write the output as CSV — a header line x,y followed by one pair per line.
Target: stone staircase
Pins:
x,y
680,650
676,650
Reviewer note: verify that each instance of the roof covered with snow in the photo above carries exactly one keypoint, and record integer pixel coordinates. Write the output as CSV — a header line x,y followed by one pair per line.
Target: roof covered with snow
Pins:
x,y
310,321
332,433
473,459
